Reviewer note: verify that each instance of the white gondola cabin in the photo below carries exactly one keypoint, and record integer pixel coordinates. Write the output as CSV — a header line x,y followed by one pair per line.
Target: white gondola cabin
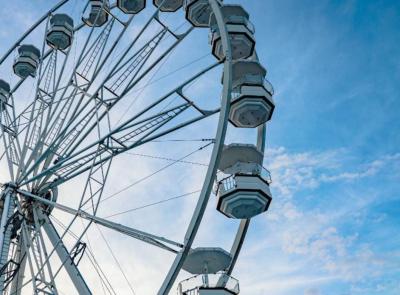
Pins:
x,y
198,12
208,265
27,61
240,31
251,103
4,93
60,32
98,15
168,5
131,6
245,192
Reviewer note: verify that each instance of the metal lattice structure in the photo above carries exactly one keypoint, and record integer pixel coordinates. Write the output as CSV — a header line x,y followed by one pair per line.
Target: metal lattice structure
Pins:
x,y
82,67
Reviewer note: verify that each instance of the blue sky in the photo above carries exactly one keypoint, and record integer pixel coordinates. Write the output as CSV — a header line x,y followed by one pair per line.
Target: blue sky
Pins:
x,y
333,147
335,67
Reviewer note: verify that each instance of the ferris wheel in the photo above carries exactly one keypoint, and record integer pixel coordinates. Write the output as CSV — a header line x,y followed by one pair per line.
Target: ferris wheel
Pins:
x,y
83,88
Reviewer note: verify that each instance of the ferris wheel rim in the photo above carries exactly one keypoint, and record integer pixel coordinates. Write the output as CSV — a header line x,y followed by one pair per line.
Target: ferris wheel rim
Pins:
x,y
202,202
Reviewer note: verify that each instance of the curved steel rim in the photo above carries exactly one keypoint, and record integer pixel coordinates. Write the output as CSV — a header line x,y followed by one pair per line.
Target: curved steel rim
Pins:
x,y
215,156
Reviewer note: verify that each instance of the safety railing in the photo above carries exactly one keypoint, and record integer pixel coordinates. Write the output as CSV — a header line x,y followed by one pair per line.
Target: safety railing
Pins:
x,y
229,183
194,285
252,80
241,20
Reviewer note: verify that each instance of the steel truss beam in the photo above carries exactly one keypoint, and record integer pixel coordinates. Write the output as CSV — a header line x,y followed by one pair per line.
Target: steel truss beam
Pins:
x,y
80,119
9,133
135,233
21,258
134,126
30,240
57,114
63,254
7,199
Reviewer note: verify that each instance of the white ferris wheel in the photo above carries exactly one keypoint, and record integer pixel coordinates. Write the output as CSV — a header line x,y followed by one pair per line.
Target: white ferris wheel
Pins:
x,y
90,89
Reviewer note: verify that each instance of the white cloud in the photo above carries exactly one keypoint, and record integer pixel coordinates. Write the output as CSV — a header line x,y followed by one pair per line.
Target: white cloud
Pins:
x,y
301,238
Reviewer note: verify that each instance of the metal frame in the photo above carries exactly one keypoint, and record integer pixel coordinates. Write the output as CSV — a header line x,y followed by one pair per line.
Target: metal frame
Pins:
x,y
54,128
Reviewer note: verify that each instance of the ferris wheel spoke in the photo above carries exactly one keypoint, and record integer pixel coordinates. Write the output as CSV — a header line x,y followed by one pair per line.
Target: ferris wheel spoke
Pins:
x,y
117,84
95,183
121,79
58,111
121,143
25,237
20,257
7,211
19,125
34,128
9,122
91,60
46,111
44,101
94,60
124,138
177,90
61,250
9,134
11,145
43,280
152,239
120,72
106,285
20,122
42,247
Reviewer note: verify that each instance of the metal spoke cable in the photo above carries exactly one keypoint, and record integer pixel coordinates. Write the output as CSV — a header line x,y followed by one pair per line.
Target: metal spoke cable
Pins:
x,y
167,159
191,84
90,255
154,173
143,88
154,204
151,81
115,259
103,284
148,82
174,71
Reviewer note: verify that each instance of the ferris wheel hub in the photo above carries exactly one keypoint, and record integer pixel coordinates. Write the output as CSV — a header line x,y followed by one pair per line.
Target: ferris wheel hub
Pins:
x,y
46,192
